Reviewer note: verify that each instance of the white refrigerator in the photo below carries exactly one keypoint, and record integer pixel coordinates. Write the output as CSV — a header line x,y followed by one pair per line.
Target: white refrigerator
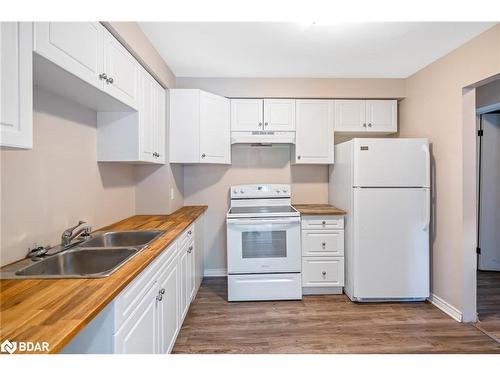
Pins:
x,y
384,185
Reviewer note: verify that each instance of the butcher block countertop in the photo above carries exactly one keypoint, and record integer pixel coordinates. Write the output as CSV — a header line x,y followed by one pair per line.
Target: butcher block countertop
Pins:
x,y
318,209
55,310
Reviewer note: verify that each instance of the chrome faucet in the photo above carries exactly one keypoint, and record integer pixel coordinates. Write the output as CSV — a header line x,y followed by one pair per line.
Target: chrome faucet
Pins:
x,y
81,229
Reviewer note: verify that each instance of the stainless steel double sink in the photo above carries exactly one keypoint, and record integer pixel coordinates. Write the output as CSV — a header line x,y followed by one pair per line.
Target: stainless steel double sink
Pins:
x,y
98,256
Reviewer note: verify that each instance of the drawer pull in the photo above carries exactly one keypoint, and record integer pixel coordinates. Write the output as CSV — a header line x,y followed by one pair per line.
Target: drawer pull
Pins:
x,y
189,232
323,273
323,222
323,244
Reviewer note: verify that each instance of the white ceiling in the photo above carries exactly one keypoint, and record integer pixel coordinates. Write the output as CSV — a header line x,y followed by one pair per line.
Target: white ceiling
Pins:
x,y
252,49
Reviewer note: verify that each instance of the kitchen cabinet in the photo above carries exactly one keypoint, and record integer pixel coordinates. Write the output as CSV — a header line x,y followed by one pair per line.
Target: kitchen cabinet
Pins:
x,y
314,136
77,47
139,334
120,70
375,116
16,90
199,127
168,307
147,315
263,114
135,137
322,254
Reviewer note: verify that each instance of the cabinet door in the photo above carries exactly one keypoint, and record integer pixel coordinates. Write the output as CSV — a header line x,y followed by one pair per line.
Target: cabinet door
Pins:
x,y
322,271
184,276
192,271
314,143
160,123
168,307
184,123
246,114
146,118
74,46
139,334
350,115
16,84
215,137
382,115
279,114
121,70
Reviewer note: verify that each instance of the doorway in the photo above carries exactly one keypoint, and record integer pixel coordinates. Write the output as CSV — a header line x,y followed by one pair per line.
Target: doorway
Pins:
x,y
488,231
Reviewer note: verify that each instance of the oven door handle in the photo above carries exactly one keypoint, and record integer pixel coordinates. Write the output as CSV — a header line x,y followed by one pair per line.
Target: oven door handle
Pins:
x,y
263,221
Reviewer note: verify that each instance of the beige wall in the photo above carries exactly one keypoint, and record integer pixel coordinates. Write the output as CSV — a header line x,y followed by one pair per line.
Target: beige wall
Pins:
x,y
209,184
433,108
134,39
298,87
49,188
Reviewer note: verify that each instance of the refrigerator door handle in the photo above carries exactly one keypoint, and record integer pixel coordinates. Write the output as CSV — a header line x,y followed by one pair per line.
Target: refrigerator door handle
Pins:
x,y
427,209
427,164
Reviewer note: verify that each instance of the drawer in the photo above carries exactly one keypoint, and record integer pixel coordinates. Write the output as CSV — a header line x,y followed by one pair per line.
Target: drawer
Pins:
x,y
322,222
186,235
128,299
322,271
260,287
322,242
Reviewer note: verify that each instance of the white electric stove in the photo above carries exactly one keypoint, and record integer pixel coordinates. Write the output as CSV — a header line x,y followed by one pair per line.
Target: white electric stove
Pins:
x,y
263,244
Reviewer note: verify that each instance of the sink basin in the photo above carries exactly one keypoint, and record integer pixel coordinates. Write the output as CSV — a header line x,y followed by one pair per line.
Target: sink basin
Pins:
x,y
135,238
80,263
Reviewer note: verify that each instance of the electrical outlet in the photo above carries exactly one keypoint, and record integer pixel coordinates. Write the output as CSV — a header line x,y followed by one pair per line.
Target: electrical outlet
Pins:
x,y
172,194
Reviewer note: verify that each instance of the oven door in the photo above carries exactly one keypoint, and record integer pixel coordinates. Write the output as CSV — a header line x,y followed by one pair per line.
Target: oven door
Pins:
x,y
264,245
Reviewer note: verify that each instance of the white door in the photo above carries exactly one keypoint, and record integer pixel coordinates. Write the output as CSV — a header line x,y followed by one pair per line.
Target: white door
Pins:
x,y
314,143
279,114
387,162
121,70
489,221
146,117
350,116
74,46
184,276
215,132
168,307
247,115
382,116
16,84
139,334
391,242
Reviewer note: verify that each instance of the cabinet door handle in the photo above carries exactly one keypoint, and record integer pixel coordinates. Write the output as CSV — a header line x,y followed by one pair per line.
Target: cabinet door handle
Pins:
x,y
369,125
162,291
103,76
364,125
159,297
189,232
323,273
323,222
298,157
110,80
266,124
260,123
203,155
190,249
323,244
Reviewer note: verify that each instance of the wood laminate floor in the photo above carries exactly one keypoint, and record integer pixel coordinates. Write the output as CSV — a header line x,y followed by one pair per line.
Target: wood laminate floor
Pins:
x,y
488,303
321,324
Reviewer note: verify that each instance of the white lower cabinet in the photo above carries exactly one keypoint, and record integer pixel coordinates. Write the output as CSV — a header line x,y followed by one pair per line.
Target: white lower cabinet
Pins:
x,y
147,315
322,254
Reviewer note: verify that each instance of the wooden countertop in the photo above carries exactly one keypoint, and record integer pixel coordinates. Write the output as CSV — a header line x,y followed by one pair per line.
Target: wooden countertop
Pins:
x,y
55,310
318,209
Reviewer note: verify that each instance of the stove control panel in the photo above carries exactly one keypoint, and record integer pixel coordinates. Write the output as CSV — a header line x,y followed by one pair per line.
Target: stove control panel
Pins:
x,y
261,191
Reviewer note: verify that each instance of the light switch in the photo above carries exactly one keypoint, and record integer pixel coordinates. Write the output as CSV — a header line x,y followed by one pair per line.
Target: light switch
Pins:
x,y
172,194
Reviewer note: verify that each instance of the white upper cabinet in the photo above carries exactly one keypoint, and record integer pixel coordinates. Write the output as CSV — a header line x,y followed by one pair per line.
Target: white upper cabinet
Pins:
x,y
76,47
16,84
247,115
279,114
382,115
121,70
314,132
262,114
354,116
199,127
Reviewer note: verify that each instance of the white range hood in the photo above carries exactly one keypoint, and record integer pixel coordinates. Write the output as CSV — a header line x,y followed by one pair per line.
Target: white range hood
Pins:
x,y
263,137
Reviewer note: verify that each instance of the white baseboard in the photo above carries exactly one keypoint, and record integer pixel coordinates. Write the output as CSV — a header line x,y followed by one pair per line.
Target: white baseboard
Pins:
x,y
215,272
446,307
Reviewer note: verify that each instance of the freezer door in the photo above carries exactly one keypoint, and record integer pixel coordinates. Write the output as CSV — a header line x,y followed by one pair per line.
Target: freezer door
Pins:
x,y
391,243
391,162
